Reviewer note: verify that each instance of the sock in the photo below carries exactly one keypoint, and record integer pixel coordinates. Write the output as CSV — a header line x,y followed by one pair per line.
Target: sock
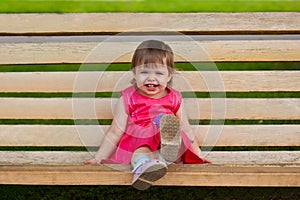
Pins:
x,y
139,161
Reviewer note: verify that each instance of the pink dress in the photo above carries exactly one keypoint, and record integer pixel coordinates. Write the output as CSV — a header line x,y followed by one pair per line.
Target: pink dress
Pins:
x,y
142,132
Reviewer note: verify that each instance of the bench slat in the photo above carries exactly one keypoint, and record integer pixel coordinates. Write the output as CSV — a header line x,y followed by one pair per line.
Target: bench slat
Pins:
x,y
288,158
78,108
260,22
236,81
179,175
91,135
185,51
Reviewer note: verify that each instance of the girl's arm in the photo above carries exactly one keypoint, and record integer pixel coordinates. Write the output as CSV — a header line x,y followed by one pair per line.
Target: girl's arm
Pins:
x,y
184,123
186,127
113,135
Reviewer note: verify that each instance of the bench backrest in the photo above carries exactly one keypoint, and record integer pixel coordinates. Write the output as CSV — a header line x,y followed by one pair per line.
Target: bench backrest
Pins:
x,y
46,58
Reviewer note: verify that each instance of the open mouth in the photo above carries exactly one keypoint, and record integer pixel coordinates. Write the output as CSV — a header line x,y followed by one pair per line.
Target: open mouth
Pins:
x,y
151,85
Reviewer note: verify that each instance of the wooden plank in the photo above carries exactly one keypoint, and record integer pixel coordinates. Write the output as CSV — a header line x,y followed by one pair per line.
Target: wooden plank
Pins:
x,y
235,108
179,175
92,135
101,108
202,81
257,22
114,52
282,158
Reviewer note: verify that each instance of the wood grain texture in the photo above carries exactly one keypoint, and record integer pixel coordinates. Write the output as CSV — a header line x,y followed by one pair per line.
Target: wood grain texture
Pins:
x,y
258,22
184,81
116,52
101,108
92,135
179,175
283,158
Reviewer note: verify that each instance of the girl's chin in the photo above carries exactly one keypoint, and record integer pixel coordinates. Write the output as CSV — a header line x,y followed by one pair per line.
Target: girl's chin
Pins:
x,y
148,92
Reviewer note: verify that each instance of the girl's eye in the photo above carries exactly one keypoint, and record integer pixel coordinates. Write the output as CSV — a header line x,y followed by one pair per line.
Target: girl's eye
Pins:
x,y
143,72
159,73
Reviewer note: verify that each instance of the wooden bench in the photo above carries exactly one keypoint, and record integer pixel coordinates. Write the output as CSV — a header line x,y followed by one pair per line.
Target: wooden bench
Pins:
x,y
49,118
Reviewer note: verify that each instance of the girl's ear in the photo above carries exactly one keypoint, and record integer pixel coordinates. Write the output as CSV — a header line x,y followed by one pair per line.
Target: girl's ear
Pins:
x,y
133,70
133,77
133,81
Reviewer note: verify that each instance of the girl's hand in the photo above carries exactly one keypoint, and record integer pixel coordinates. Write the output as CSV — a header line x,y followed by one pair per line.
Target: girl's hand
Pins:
x,y
91,161
207,161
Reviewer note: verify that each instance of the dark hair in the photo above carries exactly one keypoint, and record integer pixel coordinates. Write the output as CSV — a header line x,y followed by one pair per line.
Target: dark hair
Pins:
x,y
151,52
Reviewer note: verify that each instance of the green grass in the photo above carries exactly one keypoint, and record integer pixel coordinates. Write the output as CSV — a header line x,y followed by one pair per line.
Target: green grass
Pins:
x,y
222,66
63,6
129,193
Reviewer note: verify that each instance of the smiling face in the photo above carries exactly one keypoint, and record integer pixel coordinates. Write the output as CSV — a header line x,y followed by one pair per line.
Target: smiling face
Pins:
x,y
152,80
152,66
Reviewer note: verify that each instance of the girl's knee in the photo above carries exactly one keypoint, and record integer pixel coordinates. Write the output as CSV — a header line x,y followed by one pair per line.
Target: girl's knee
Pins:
x,y
143,151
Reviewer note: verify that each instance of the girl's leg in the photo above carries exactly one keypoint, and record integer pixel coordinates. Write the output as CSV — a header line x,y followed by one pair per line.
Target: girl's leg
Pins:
x,y
143,152
146,168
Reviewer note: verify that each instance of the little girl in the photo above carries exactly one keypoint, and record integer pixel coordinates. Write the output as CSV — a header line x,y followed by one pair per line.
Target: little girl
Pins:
x,y
150,128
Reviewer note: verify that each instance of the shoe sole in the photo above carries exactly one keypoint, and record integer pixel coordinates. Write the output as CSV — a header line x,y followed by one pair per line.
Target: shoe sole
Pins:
x,y
170,137
151,174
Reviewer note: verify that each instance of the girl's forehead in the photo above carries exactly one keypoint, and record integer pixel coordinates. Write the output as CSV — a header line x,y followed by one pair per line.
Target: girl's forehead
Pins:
x,y
152,66
151,60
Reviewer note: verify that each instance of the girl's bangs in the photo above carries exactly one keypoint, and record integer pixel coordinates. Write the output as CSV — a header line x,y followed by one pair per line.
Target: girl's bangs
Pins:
x,y
152,60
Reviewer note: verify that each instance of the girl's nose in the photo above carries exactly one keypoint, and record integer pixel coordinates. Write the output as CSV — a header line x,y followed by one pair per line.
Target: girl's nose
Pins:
x,y
151,77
